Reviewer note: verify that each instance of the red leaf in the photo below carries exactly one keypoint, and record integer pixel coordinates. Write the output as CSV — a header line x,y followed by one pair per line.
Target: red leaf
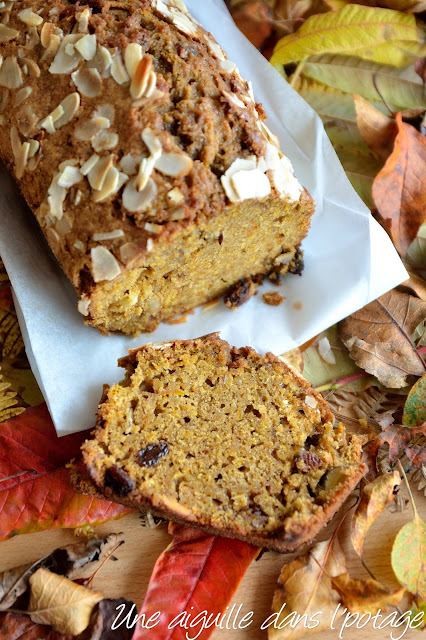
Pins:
x,y
196,573
399,190
29,502
16,626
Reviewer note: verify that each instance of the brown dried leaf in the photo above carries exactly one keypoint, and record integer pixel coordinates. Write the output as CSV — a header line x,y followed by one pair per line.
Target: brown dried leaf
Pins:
x,y
254,19
415,285
399,439
305,586
103,617
61,603
377,406
378,338
374,498
377,130
399,190
365,596
8,402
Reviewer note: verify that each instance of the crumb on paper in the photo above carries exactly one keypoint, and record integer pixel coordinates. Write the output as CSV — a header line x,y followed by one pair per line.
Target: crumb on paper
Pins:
x,y
182,318
298,306
240,293
273,298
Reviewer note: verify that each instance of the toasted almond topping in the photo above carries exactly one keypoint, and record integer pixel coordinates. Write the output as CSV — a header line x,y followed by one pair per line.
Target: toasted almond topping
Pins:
x,y
105,141
152,228
141,77
70,106
10,74
33,38
69,162
102,61
64,63
4,98
26,120
33,68
129,164
285,181
22,95
240,165
15,142
63,226
136,201
87,46
69,49
183,23
57,113
46,32
216,50
105,111
79,245
270,137
118,70
152,85
7,34
162,8
228,66
110,185
152,142
88,130
34,147
69,177
89,164
77,198
56,198
104,265
109,235
132,56
22,160
30,18
83,19
174,164
311,402
97,175
233,99
176,196
53,236
53,48
146,168
149,245
88,82
83,305
48,124
129,252
250,184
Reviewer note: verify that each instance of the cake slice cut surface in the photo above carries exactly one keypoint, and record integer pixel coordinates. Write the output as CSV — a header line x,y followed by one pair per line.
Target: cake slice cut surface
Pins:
x,y
225,440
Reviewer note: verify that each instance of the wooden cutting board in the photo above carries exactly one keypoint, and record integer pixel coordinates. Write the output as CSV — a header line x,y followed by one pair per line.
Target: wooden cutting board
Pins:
x,y
129,576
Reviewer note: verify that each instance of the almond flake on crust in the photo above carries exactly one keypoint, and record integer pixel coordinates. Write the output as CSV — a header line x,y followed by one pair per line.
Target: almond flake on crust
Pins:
x,y
108,235
69,177
64,63
7,34
30,18
118,70
250,184
70,106
87,46
11,74
174,164
104,265
88,82
83,305
133,54
136,201
98,173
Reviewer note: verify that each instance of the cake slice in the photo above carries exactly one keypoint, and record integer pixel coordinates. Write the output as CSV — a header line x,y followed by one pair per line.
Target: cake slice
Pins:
x,y
225,440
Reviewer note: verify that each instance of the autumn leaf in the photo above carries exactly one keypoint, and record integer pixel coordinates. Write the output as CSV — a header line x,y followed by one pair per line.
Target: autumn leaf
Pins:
x,y
294,358
254,19
377,130
378,338
399,440
103,618
17,626
399,190
73,561
375,406
196,570
305,587
8,401
365,596
375,32
415,285
415,406
374,498
47,500
61,603
416,254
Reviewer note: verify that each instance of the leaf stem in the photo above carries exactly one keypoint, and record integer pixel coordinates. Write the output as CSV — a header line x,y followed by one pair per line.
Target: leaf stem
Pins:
x,y
342,381
296,74
381,96
20,473
93,576
413,504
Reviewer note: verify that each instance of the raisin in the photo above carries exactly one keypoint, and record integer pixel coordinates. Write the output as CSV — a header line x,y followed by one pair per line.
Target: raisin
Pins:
x,y
150,456
118,480
298,264
239,294
311,460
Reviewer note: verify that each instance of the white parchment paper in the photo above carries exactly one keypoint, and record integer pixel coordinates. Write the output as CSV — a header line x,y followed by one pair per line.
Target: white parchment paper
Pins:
x,y
349,260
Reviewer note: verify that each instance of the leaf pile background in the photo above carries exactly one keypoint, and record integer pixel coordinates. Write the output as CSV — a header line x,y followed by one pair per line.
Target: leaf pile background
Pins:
x,y
362,67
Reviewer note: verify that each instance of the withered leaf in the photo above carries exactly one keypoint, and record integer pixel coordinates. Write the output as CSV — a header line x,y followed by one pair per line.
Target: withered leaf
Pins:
x,y
378,337
375,496
377,129
415,285
61,603
365,596
409,557
73,561
398,438
102,620
399,190
415,405
305,587
254,19
17,626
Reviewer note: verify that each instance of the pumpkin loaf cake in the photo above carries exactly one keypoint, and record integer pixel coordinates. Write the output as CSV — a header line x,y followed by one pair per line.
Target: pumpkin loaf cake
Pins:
x,y
225,440
144,157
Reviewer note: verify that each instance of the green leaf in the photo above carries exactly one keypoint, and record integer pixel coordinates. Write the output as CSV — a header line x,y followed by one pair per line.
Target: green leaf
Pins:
x,y
352,75
415,406
354,29
326,101
409,557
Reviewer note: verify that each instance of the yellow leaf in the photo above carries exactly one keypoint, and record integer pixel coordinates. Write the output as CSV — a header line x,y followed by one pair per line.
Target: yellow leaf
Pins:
x,y
11,343
365,596
8,401
352,30
374,499
409,557
60,602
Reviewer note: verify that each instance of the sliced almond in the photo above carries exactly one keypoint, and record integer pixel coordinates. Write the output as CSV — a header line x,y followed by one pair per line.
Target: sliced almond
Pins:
x,y
79,245
104,265
105,111
129,252
89,164
4,99
153,228
83,18
311,402
240,164
83,305
26,120
109,235
136,201
56,199
57,113
110,185
146,168
64,63
174,164
10,74
105,141
33,68
87,46
15,142
77,199
141,77
129,164
53,48
216,50
69,177
69,162
88,130
53,237
88,82
228,66
33,38
132,56
234,99
183,23
22,95
149,245
250,184
152,85
118,70
286,182
34,148
152,142
48,29
70,106
97,175
176,196
63,226
48,124
30,18
102,61
7,34
162,8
